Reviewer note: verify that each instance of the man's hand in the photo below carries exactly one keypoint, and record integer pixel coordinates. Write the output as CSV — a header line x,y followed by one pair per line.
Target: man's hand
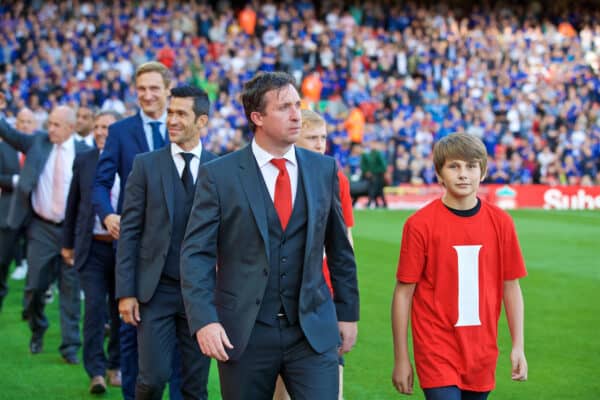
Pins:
x,y
519,365
113,224
67,255
2,101
348,333
129,309
212,340
403,377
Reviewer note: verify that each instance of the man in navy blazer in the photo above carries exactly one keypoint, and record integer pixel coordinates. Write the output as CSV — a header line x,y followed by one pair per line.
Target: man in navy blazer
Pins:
x,y
264,214
89,248
158,199
40,197
140,133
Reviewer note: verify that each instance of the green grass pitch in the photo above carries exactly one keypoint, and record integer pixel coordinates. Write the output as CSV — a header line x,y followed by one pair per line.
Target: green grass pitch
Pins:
x,y
562,318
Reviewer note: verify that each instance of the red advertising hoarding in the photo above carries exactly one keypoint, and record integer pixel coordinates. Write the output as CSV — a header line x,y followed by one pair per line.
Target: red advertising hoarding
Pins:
x,y
504,196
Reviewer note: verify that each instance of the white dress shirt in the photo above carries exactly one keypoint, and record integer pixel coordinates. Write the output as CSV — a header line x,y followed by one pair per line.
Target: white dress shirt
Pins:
x,y
180,162
89,139
270,171
148,129
41,198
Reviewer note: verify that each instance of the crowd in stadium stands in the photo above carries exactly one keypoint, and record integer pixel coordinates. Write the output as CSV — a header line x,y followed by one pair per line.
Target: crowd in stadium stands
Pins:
x,y
387,77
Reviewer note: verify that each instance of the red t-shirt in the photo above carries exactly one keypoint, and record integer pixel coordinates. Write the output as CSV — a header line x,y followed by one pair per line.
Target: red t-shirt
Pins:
x,y
346,201
459,265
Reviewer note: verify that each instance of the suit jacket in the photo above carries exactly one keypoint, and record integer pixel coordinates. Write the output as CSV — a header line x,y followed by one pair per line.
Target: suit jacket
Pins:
x,y
78,226
228,223
37,148
126,139
9,166
146,223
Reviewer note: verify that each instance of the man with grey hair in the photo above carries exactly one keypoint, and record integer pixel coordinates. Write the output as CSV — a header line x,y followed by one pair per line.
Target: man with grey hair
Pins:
x,y
40,196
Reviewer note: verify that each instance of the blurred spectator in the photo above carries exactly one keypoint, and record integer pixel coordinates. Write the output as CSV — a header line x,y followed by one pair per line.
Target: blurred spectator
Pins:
x,y
520,78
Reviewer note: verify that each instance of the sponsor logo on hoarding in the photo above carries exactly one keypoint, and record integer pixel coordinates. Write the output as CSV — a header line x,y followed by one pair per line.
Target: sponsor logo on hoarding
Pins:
x,y
555,199
506,198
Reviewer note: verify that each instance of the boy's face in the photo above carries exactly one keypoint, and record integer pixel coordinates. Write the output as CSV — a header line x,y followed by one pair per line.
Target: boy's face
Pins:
x,y
461,180
314,139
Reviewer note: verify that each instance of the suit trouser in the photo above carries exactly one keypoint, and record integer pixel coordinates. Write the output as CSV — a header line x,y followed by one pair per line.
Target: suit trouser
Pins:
x,y
97,278
8,242
46,265
281,349
129,364
163,325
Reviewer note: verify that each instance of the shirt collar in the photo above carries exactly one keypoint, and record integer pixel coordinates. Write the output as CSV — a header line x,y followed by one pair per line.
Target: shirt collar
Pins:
x,y
146,119
68,144
263,157
196,151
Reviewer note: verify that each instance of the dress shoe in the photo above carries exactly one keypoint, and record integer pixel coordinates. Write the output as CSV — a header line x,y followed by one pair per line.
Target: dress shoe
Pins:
x,y
36,345
97,385
71,359
114,377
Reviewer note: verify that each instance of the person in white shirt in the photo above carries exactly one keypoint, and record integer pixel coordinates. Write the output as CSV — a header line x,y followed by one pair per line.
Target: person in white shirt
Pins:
x,y
40,196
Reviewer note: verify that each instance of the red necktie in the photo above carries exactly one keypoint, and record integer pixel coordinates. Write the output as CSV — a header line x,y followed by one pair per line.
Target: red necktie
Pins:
x,y
283,192
21,159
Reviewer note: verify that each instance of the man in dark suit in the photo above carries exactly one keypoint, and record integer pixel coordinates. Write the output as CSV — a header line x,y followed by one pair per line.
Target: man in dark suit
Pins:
x,y
143,132
9,168
158,199
263,214
41,195
89,248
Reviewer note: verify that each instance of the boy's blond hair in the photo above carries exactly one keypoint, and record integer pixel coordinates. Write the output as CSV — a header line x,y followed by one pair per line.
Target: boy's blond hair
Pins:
x,y
459,146
311,120
154,66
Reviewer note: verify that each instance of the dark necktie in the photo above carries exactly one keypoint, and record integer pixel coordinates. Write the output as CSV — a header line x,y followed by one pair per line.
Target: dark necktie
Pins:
x,y
157,139
283,192
186,176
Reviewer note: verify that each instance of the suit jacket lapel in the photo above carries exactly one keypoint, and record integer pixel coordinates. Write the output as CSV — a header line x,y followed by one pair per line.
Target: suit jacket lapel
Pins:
x,y
166,176
34,163
139,133
305,171
250,181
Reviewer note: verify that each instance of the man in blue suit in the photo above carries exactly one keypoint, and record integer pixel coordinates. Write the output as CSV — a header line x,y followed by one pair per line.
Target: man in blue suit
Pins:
x,y
143,132
158,199
40,197
89,248
263,214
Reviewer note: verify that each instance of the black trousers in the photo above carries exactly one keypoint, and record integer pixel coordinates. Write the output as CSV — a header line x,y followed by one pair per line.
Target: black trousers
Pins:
x,y
164,324
284,350
97,278
8,247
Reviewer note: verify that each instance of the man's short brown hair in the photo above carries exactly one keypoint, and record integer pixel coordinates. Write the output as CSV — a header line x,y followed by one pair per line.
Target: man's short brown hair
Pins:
x,y
459,146
253,95
154,66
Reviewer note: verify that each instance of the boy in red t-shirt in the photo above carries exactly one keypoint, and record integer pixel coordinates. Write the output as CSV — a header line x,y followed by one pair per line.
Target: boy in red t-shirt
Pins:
x,y
313,136
459,261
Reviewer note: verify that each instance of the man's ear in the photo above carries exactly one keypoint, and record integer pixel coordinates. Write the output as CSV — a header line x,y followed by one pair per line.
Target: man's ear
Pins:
x,y
257,118
202,120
